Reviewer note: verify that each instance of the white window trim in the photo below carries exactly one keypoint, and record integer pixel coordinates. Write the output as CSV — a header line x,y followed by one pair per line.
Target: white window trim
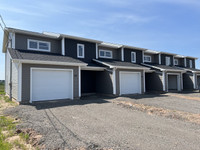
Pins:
x,y
83,46
38,49
166,61
101,50
175,61
190,63
147,56
134,57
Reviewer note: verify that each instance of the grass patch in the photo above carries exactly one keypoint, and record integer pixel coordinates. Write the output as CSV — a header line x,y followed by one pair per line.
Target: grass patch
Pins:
x,y
2,89
24,136
19,145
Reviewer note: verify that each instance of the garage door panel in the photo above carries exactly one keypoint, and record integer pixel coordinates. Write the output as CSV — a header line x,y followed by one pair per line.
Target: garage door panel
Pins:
x,y
51,84
130,83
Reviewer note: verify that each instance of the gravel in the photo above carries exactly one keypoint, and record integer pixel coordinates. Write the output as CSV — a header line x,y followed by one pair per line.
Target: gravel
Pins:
x,y
97,124
165,101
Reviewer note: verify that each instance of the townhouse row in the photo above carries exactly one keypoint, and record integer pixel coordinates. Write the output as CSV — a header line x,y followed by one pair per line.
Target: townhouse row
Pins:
x,y
49,66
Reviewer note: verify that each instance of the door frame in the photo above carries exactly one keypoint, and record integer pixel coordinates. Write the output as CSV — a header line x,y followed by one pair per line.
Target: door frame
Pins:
x,y
57,69
120,74
178,81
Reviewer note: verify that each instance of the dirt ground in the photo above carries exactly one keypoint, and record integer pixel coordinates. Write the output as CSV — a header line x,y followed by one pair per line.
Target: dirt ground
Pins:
x,y
101,123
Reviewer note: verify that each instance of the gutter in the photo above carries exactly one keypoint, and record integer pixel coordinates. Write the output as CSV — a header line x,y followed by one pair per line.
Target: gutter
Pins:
x,y
48,62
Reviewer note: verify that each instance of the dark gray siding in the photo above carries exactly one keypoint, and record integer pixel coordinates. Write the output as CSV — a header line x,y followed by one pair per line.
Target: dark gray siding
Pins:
x,y
21,42
116,53
127,55
154,58
163,56
104,82
154,81
71,49
180,62
26,79
188,62
118,79
88,81
188,81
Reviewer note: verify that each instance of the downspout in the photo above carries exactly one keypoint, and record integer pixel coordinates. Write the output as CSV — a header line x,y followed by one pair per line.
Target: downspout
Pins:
x,y
114,81
164,81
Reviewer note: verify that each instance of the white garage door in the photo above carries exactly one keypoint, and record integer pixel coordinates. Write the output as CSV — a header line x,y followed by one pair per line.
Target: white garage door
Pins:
x,y
51,84
130,82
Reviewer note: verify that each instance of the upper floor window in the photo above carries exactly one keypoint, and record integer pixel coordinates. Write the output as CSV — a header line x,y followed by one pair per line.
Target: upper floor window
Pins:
x,y
175,61
147,58
38,45
133,57
167,61
80,51
105,54
190,63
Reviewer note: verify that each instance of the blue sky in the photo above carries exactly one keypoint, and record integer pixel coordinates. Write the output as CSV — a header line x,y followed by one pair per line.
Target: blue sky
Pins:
x,y
163,25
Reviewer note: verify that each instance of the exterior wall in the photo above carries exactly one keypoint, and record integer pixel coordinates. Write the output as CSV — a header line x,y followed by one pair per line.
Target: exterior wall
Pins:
x,y
71,49
180,62
21,42
188,62
116,53
88,81
104,82
26,79
118,79
163,62
154,81
127,55
15,80
188,83
154,58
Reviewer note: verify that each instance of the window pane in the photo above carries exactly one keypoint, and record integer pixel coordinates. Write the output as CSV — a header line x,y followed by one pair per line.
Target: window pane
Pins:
x,y
101,53
80,50
33,44
108,54
133,56
44,46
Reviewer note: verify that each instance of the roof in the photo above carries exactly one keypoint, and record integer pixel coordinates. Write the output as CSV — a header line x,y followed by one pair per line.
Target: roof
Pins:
x,y
165,68
119,64
151,51
33,56
191,69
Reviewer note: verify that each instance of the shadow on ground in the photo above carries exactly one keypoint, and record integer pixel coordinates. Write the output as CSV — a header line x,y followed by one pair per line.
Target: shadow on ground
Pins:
x,y
62,103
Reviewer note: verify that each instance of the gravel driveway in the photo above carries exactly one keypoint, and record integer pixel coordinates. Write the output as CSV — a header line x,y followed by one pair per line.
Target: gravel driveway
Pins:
x,y
96,124
165,101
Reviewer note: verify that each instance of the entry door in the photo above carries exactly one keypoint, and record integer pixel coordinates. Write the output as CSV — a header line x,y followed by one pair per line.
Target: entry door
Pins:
x,y
130,82
51,84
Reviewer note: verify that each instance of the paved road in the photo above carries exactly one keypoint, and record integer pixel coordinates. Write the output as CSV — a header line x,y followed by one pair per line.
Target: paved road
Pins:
x,y
99,124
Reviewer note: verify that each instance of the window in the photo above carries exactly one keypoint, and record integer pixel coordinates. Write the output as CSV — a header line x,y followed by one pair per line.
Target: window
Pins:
x,y
175,61
80,51
105,54
167,61
38,45
190,61
133,57
147,58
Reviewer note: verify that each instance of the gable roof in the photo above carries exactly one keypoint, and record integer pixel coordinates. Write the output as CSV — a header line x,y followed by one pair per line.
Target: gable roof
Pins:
x,y
25,56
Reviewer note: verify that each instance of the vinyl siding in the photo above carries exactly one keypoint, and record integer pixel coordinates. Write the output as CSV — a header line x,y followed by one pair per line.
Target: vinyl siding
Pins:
x,y
154,58
26,79
21,42
15,80
180,62
154,81
89,48
127,55
7,73
163,56
116,53
188,62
